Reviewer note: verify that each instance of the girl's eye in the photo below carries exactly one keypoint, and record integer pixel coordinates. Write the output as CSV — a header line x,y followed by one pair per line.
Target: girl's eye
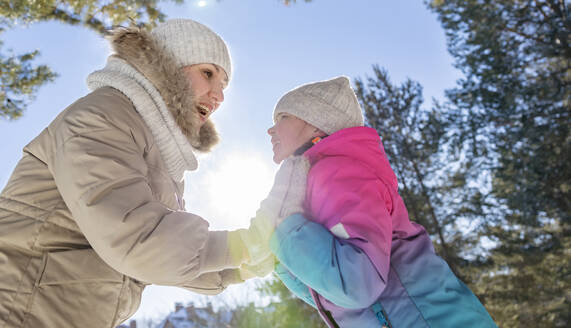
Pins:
x,y
208,73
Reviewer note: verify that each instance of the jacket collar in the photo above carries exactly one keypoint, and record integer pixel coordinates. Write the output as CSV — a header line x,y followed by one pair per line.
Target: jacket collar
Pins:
x,y
361,144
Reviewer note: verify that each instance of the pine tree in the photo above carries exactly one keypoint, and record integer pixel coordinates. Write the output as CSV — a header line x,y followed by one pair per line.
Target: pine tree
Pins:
x,y
511,112
290,311
284,311
19,78
413,138
19,81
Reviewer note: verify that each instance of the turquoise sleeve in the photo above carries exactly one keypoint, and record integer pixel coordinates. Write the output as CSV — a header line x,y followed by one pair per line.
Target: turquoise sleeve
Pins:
x,y
337,270
298,288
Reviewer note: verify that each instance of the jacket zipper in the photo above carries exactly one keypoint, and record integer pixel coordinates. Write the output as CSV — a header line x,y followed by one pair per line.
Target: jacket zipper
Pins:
x,y
381,315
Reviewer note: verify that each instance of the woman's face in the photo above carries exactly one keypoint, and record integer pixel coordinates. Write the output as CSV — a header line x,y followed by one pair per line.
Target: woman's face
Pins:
x,y
208,82
288,134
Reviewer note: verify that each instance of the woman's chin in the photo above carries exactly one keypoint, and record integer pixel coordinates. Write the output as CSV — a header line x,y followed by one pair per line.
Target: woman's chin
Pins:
x,y
277,159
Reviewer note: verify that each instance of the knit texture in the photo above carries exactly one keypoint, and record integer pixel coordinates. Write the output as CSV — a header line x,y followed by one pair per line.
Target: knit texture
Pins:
x,y
173,145
192,43
285,198
329,105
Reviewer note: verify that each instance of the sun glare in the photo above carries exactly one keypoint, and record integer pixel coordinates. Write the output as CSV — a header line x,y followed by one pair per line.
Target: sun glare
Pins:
x,y
202,3
231,190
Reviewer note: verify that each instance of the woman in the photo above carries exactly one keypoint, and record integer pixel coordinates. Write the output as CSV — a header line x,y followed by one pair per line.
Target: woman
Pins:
x,y
93,212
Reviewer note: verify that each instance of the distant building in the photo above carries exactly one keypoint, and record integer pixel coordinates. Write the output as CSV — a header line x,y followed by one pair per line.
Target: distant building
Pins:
x,y
194,317
132,324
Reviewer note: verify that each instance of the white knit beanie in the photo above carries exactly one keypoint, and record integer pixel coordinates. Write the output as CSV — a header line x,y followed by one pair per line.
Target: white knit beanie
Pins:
x,y
192,43
328,105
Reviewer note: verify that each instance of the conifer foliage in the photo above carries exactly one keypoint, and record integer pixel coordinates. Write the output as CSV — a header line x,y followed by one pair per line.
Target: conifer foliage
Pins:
x,y
488,171
20,77
512,113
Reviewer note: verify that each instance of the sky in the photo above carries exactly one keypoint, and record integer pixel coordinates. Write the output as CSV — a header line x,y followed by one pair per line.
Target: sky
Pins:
x,y
274,48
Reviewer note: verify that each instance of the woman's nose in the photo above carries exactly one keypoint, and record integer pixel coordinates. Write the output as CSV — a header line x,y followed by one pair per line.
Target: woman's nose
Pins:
x,y
218,94
271,130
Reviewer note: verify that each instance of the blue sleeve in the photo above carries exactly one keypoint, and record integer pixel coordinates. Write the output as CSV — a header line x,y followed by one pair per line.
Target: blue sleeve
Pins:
x,y
298,288
335,269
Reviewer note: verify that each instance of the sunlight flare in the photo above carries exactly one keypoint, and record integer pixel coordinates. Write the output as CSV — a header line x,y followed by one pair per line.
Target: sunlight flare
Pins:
x,y
231,190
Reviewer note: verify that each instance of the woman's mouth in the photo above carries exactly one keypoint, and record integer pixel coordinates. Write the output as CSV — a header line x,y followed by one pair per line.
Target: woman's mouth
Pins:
x,y
204,111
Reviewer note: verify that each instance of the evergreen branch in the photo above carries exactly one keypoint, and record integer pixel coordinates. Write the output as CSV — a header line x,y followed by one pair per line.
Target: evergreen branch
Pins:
x,y
539,7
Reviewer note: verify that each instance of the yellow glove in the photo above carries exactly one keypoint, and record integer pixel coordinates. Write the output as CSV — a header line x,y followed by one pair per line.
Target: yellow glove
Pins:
x,y
260,270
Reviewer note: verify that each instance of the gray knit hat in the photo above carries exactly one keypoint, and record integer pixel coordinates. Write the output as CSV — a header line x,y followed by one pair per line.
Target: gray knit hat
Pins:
x,y
328,105
192,43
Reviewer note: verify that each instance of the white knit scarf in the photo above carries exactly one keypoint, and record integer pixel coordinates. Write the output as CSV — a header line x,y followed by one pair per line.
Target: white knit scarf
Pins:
x,y
173,145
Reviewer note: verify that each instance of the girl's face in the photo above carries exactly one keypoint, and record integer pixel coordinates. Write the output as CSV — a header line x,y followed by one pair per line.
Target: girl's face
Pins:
x,y
288,134
208,82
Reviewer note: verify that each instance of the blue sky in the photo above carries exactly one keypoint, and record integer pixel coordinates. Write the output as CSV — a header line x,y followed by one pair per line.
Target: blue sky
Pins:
x,y
274,49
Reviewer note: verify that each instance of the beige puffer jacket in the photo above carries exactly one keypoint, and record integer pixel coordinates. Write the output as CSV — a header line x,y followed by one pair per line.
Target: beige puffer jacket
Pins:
x,y
91,214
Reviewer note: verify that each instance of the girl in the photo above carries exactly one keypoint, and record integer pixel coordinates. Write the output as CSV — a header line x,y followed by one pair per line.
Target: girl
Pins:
x,y
354,254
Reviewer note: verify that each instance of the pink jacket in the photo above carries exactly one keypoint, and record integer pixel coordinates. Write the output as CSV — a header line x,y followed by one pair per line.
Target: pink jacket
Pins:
x,y
344,187
365,263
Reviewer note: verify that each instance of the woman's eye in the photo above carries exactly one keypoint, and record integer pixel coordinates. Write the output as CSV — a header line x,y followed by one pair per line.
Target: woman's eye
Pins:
x,y
208,73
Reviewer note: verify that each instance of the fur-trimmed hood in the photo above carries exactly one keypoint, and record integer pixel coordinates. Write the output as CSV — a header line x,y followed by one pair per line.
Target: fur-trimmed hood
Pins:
x,y
139,49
